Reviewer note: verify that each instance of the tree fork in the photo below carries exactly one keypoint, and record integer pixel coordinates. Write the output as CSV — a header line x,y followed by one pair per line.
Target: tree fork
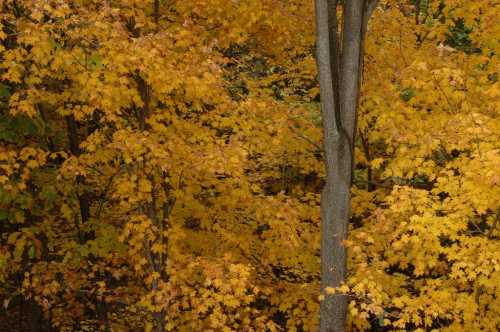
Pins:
x,y
339,78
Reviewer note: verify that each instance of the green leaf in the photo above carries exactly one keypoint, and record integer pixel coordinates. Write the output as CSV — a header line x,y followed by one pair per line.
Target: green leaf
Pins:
x,y
31,252
4,91
8,136
4,215
381,320
94,61
407,94
49,194
54,44
5,197
19,248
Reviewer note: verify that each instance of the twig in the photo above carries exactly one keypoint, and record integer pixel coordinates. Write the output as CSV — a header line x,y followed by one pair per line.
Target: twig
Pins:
x,y
307,139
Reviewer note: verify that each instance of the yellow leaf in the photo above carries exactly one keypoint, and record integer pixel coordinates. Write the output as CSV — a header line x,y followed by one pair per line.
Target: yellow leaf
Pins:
x,y
148,327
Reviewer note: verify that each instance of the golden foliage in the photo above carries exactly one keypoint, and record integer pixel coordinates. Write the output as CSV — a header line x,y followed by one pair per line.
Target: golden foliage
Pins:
x,y
161,166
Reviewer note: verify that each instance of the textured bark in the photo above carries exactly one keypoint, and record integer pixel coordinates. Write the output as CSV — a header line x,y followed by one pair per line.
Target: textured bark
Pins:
x,y
339,77
350,64
334,207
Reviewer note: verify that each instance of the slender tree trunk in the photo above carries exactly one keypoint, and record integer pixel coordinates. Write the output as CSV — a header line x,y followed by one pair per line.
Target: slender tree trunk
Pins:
x,y
339,77
83,197
156,11
35,316
335,196
150,208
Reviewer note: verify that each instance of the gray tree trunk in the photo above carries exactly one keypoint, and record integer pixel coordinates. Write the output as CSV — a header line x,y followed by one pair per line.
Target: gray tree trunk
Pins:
x,y
339,77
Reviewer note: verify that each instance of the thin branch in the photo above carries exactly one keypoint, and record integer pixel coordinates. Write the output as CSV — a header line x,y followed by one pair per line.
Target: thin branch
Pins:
x,y
318,147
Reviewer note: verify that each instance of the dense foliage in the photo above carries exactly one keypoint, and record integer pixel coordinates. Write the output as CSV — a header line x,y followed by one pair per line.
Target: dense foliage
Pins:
x,y
161,165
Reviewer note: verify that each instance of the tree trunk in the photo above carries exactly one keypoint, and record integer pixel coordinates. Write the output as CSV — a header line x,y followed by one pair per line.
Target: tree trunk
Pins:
x,y
339,77
83,197
335,196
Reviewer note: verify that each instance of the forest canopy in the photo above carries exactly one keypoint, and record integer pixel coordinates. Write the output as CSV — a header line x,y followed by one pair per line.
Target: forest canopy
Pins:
x,y
162,161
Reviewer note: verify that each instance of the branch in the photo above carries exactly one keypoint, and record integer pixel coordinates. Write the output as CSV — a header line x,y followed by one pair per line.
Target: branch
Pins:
x,y
370,6
307,139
